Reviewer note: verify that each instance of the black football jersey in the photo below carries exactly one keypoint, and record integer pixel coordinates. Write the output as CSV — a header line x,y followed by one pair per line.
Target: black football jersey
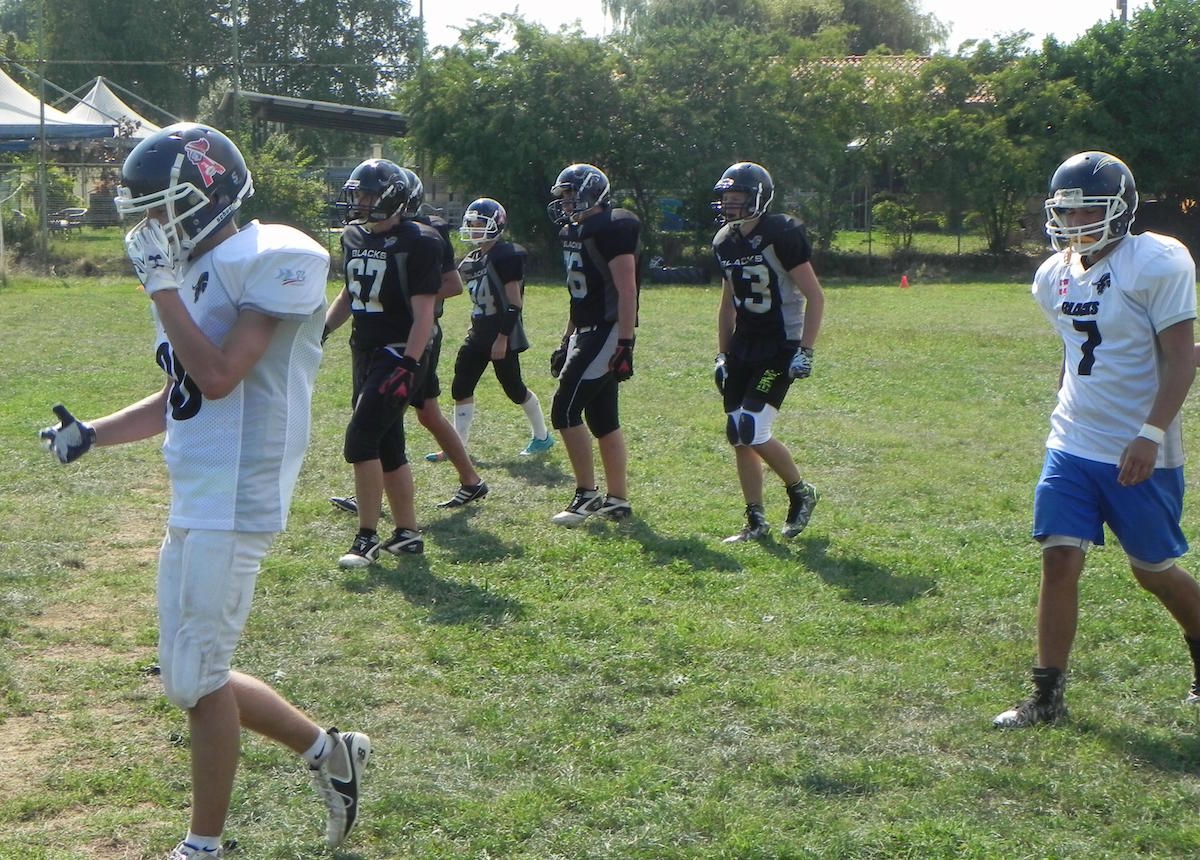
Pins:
x,y
485,275
587,249
383,272
443,228
768,306
448,265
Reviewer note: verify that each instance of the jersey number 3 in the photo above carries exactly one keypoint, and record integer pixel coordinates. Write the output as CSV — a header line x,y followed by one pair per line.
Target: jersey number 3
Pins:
x,y
753,284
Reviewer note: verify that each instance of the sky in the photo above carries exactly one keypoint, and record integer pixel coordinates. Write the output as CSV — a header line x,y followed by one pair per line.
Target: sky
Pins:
x,y
968,19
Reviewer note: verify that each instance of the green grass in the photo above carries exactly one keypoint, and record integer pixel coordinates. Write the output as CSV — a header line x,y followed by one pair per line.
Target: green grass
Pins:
x,y
856,241
634,691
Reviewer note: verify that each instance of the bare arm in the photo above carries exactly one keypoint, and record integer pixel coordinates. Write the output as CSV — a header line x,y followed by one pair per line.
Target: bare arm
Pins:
x,y
624,274
512,296
216,369
806,282
1179,369
1178,373
451,285
422,327
138,421
338,312
726,318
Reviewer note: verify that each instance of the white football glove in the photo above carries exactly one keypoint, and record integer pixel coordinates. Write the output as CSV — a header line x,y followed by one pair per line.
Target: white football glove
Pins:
x,y
150,252
801,365
71,439
720,372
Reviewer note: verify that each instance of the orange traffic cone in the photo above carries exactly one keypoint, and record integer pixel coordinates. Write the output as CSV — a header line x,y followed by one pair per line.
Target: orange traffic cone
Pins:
x,y
904,282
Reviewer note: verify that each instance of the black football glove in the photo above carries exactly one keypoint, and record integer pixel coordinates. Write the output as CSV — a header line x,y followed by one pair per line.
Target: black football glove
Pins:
x,y
558,358
801,365
621,363
720,372
71,439
401,384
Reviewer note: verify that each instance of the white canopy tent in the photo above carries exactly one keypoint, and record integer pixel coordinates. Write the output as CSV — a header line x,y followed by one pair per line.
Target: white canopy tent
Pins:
x,y
101,105
20,118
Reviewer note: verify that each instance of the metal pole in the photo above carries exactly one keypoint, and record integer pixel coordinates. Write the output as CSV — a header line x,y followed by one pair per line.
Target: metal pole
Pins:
x,y
43,176
236,71
421,44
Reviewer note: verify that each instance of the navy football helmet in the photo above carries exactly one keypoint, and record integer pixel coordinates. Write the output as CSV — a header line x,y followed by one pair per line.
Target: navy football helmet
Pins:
x,y
376,190
1090,180
193,172
579,187
416,193
752,180
483,221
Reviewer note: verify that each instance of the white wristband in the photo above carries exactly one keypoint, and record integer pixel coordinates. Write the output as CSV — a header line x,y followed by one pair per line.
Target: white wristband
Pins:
x,y
1154,434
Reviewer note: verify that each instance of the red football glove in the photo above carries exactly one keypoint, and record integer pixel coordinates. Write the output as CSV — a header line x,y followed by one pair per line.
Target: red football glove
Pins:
x,y
401,384
621,363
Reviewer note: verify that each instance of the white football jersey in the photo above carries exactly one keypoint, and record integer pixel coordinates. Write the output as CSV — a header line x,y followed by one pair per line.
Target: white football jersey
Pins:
x,y
233,462
1109,317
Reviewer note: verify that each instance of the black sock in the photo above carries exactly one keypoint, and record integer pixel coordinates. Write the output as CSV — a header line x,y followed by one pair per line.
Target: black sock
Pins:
x,y
1194,649
366,532
1046,679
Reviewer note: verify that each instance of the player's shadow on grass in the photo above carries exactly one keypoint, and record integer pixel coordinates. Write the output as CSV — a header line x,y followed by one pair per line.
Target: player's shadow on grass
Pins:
x,y
448,601
539,471
1171,751
861,581
691,552
455,536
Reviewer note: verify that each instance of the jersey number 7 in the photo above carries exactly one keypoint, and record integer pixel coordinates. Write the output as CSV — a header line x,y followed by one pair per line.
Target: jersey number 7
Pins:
x,y
1089,346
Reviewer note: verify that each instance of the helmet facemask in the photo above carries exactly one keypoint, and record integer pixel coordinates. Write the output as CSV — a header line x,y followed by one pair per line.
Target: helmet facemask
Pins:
x,y
478,228
753,205
363,207
579,189
1086,239
182,202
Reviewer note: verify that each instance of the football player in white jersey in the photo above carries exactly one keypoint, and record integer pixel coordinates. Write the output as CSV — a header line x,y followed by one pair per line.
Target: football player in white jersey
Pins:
x,y
1124,306
238,314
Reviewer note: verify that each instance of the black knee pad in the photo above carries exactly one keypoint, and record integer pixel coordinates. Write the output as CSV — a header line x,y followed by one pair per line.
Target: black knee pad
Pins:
x,y
746,427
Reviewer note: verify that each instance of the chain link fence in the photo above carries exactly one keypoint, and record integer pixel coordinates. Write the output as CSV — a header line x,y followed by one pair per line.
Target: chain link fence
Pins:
x,y
78,205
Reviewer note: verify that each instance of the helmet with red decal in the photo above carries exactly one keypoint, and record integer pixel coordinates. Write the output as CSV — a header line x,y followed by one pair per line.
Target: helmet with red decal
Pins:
x,y
191,171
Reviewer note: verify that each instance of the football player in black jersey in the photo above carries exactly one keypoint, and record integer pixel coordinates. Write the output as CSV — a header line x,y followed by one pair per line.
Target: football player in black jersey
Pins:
x,y
601,249
494,272
393,274
770,314
453,447
424,401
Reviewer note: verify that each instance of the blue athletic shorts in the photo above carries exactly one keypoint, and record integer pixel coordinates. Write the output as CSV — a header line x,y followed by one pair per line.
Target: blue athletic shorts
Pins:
x,y
1077,497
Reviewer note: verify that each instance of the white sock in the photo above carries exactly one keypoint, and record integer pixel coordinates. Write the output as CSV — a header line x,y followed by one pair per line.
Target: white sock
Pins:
x,y
316,752
533,411
208,844
464,414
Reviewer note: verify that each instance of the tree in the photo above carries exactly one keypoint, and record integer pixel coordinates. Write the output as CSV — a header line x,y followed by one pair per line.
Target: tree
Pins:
x,y
900,25
286,187
1140,83
332,50
504,122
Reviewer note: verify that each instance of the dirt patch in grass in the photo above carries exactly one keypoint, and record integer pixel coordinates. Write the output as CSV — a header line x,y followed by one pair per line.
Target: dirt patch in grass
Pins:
x,y
30,748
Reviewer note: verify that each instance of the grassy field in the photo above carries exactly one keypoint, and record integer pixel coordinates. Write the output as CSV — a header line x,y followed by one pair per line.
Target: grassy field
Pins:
x,y
615,691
